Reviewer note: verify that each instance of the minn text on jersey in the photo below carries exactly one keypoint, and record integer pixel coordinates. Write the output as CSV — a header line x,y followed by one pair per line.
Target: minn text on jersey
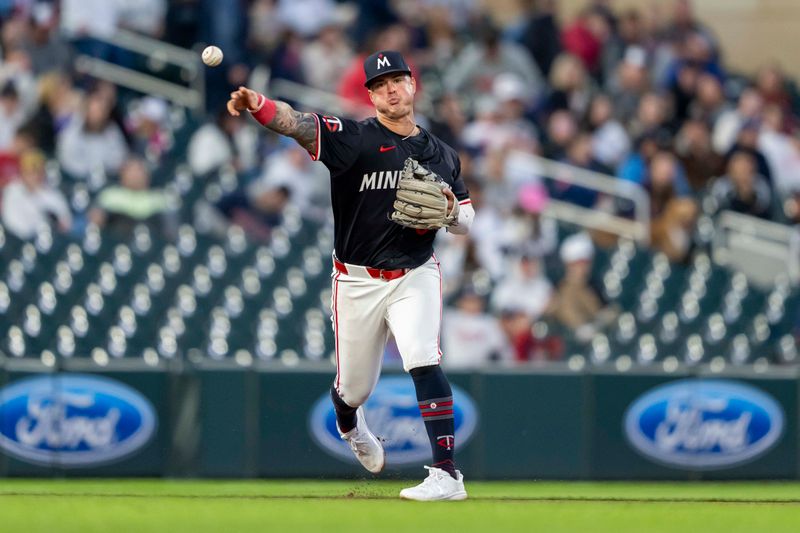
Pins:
x,y
380,180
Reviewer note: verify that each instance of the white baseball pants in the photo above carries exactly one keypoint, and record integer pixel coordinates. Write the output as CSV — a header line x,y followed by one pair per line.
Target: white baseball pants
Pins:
x,y
366,309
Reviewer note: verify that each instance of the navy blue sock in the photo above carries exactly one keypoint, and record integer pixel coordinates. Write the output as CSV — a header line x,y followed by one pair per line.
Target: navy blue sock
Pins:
x,y
345,415
436,405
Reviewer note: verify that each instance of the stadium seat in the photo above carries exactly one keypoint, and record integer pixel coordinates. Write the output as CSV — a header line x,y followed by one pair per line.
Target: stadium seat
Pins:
x,y
786,350
740,352
647,351
694,351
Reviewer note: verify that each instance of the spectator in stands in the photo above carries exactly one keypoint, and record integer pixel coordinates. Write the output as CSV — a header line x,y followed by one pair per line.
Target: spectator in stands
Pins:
x,y
527,228
327,56
373,14
525,289
671,231
782,151
473,71
11,114
225,25
458,12
488,224
561,130
146,17
585,37
541,35
515,101
747,141
83,20
48,50
471,337
59,101
776,90
579,154
24,140
630,34
695,52
628,84
635,167
222,142
652,117
683,90
296,15
610,141
666,180
264,28
479,134
146,126
526,345
727,126
285,62
743,189
513,137
673,209
436,28
92,140
449,120
694,150
684,24
576,304
709,103
570,87
30,204
791,208
17,69
120,208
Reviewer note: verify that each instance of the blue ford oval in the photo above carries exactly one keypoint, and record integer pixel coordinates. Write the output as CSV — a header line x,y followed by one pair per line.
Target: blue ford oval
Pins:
x,y
73,420
704,424
393,416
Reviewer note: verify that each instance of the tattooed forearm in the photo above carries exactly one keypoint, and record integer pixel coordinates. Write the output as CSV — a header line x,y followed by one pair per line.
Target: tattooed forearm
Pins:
x,y
301,127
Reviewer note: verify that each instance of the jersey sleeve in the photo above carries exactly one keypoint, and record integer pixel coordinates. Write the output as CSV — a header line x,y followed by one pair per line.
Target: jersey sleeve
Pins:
x,y
338,142
459,187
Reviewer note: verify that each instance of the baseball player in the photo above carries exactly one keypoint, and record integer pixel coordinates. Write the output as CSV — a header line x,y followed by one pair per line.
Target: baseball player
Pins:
x,y
393,185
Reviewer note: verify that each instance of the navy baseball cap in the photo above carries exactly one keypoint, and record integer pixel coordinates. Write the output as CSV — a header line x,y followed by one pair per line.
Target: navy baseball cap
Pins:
x,y
384,62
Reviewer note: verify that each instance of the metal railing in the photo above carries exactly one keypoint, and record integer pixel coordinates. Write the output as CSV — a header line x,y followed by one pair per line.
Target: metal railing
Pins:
x,y
637,229
763,250
159,54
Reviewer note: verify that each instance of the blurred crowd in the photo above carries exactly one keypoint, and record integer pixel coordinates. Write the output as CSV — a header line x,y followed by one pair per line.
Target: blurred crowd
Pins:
x,y
640,94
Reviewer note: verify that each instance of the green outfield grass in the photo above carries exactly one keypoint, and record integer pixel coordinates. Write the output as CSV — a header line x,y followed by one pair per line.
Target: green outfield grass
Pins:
x,y
116,506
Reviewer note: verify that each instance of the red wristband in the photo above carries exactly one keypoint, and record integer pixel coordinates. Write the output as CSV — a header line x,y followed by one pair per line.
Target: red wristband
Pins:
x,y
265,110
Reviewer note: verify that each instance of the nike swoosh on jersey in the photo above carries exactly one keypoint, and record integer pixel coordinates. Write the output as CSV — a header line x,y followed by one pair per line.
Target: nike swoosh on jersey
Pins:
x,y
386,148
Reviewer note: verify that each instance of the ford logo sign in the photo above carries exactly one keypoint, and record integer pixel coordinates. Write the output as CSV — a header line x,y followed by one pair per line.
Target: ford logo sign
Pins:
x,y
73,420
393,415
704,424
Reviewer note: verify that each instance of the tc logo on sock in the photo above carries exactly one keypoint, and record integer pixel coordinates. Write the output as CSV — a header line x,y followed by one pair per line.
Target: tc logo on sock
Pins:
x,y
446,441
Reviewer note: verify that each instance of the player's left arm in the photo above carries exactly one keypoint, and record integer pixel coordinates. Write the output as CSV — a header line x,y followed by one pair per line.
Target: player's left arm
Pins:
x,y
460,194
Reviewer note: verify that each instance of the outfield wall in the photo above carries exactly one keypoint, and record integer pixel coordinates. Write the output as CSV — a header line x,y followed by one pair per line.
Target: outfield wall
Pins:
x,y
223,420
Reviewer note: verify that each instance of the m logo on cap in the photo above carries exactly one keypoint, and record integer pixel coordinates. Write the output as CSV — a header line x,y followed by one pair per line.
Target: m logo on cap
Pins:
x,y
383,62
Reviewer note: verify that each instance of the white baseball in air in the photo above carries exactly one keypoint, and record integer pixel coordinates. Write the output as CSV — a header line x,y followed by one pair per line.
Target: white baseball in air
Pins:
x,y
212,56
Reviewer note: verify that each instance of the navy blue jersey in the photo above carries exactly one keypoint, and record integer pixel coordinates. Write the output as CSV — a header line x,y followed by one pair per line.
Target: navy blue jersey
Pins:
x,y
365,160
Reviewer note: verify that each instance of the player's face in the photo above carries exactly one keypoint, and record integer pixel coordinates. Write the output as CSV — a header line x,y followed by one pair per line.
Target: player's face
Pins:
x,y
393,95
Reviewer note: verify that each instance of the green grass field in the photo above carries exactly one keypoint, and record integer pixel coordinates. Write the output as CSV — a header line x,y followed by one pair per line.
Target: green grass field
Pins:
x,y
116,506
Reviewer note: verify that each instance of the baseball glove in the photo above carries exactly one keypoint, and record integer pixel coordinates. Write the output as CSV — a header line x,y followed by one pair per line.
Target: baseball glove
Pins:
x,y
421,202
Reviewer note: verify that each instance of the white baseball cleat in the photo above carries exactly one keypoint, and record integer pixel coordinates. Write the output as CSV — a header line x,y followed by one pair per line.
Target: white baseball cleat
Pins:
x,y
366,446
439,485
